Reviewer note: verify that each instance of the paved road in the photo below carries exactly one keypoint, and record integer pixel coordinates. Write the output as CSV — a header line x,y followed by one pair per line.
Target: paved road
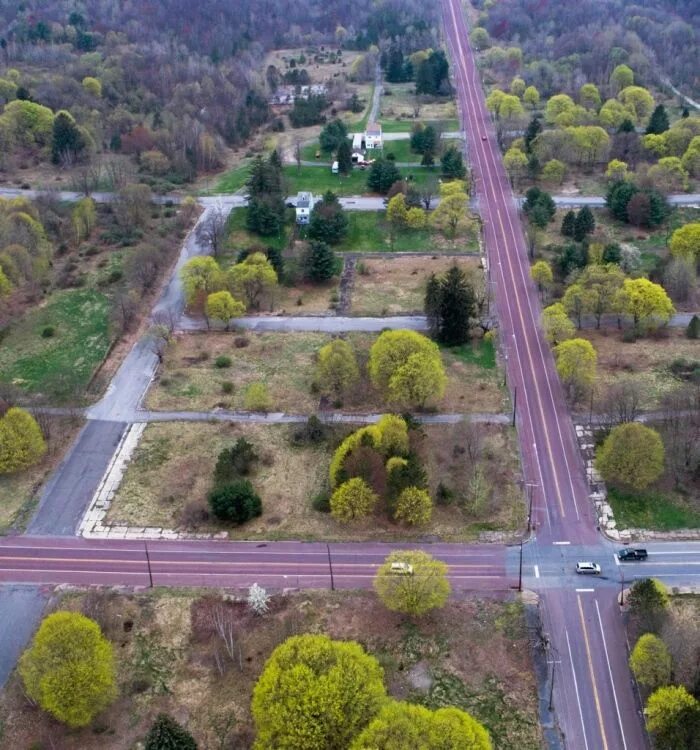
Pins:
x,y
21,607
324,323
596,707
276,565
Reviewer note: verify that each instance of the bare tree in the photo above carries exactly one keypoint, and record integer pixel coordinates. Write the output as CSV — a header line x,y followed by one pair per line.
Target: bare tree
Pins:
x,y
158,337
222,621
680,429
621,401
297,154
427,191
125,308
212,231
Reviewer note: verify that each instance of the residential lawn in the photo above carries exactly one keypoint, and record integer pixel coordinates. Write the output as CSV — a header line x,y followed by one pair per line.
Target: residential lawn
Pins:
x,y
57,369
396,285
190,381
481,353
233,180
319,179
474,654
369,232
392,125
647,360
19,493
652,509
239,238
174,463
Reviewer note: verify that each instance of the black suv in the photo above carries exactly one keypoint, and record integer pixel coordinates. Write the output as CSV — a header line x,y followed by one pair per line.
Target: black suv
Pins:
x,y
632,554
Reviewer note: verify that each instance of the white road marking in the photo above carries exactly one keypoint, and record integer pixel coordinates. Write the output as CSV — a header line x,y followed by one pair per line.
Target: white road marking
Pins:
x,y
616,559
537,571
612,683
561,542
578,697
585,590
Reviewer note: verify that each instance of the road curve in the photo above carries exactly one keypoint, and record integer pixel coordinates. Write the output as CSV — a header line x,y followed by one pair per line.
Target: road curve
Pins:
x,y
595,705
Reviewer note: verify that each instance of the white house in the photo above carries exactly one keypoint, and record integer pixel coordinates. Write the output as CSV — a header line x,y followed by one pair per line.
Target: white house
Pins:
x,y
370,139
304,205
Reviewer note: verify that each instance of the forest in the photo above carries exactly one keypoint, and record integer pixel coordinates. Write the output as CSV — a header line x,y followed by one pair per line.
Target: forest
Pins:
x,y
561,41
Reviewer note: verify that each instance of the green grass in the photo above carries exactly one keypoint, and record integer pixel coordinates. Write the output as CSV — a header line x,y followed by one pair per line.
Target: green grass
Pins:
x,y
405,126
57,368
318,179
367,232
651,510
481,353
233,180
238,237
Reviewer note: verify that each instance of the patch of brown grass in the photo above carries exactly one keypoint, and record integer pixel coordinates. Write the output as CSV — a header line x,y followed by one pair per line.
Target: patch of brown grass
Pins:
x,y
394,286
476,648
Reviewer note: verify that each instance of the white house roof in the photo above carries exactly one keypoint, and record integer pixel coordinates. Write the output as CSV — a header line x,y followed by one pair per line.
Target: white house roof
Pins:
x,y
304,200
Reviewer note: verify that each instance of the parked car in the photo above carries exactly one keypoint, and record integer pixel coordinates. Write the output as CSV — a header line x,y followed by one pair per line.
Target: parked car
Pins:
x,y
402,568
588,568
632,553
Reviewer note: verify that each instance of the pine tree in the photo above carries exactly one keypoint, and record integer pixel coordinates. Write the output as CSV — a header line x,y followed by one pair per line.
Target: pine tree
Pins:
x,y
658,122
568,224
456,307
693,329
432,305
320,262
67,138
344,157
584,224
453,164
167,734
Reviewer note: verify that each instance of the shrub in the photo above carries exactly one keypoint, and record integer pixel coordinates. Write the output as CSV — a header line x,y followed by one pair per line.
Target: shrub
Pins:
x,y
48,332
167,734
352,500
222,361
235,462
321,502
257,397
693,329
311,432
227,387
236,502
240,342
194,513
413,506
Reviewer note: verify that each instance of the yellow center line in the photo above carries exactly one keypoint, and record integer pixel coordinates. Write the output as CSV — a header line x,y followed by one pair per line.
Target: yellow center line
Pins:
x,y
592,673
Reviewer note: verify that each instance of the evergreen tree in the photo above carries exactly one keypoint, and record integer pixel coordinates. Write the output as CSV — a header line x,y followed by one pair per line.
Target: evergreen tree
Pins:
x,y
584,224
626,126
382,175
568,224
432,76
533,129
68,141
456,307
344,157
265,213
320,262
658,122
167,734
328,221
693,329
332,135
452,164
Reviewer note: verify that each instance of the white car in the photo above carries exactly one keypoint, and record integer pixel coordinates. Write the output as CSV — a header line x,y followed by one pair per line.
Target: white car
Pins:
x,y
402,568
588,568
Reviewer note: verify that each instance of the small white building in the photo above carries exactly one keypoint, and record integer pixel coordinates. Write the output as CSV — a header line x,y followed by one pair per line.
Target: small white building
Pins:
x,y
304,205
370,139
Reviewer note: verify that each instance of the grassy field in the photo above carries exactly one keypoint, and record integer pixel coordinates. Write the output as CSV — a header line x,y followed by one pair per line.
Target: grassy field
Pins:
x,y
473,654
400,149
399,101
368,232
233,180
318,179
57,368
394,125
397,285
174,463
648,360
652,509
285,362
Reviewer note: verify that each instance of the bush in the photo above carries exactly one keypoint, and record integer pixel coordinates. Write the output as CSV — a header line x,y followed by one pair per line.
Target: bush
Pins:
x,y
235,462
693,329
240,342
222,361
167,734
312,432
227,387
257,397
321,502
194,513
236,502
48,332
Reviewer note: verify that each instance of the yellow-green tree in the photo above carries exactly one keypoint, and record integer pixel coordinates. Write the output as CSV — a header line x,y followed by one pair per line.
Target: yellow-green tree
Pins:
x,y
69,668
416,591
517,87
315,693
396,215
616,170
645,302
578,301
650,662
252,279
22,443
5,284
451,215
685,241
638,101
393,435
200,277
84,218
612,114
416,218
222,306
531,97
621,77
336,369
493,101
542,275
673,718
557,324
558,105
589,96
576,364
632,455
406,726
92,86
515,162
669,175
589,143
257,397
602,283
413,506
554,171
691,157
656,143
406,368
353,500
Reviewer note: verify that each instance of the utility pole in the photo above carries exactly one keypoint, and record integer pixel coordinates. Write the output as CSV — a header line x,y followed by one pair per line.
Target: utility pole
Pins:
x,y
330,566
520,568
551,687
148,562
622,588
515,402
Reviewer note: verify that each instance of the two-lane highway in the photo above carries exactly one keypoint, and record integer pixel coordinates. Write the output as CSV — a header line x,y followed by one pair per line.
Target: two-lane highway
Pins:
x,y
275,565
594,701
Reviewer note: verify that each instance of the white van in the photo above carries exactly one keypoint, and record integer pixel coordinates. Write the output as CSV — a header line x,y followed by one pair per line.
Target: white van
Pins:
x,y
334,168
